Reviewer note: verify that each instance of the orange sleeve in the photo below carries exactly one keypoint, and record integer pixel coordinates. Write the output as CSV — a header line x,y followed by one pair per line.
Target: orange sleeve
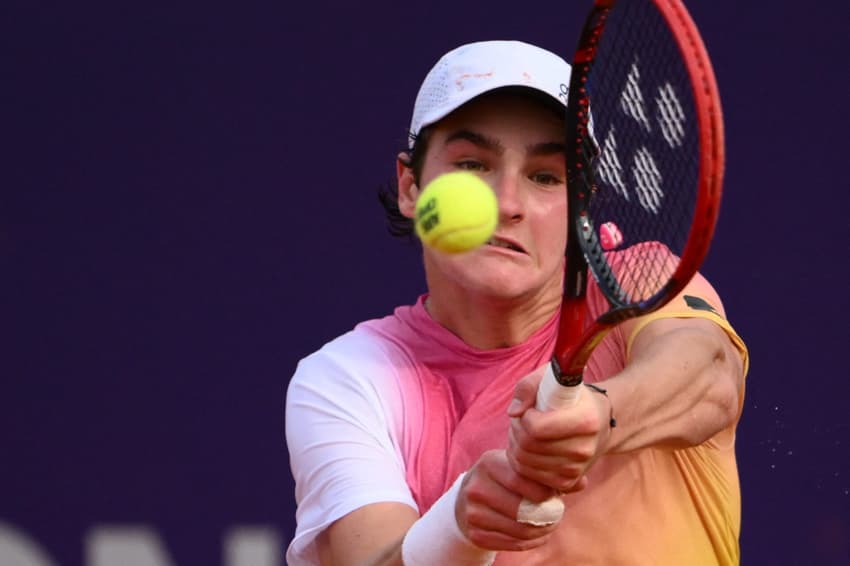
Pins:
x,y
698,300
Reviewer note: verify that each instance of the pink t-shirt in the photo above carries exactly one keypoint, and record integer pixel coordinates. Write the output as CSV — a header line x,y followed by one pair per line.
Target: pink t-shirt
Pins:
x,y
452,391
397,408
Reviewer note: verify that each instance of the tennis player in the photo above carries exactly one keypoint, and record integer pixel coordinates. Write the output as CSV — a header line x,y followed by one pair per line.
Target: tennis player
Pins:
x,y
413,438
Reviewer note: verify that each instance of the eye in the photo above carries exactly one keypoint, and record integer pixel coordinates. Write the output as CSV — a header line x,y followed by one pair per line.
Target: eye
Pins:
x,y
547,178
469,165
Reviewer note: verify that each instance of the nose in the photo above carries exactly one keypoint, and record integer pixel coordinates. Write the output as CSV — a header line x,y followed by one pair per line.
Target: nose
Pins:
x,y
508,190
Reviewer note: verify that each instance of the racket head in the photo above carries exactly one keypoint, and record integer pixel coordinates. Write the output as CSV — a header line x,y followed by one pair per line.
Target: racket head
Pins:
x,y
645,155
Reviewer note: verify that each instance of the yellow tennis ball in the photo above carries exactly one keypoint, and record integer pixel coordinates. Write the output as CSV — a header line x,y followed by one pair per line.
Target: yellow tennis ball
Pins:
x,y
456,212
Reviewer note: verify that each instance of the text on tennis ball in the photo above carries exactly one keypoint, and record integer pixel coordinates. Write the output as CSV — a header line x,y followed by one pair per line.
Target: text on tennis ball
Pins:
x,y
427,215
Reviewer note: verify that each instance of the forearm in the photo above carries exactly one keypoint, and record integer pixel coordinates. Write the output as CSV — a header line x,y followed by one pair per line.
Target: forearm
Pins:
x,y
390,555
366,537
680,387
370,535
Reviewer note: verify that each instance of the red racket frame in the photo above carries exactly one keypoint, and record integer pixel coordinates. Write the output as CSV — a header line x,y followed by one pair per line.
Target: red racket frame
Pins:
x,y
576,340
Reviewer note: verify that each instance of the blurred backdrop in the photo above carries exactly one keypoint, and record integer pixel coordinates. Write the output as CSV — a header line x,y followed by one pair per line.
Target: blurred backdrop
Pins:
x,y
187,208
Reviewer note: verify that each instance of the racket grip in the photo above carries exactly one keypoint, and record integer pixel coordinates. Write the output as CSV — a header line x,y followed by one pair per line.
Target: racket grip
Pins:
x,y
551,396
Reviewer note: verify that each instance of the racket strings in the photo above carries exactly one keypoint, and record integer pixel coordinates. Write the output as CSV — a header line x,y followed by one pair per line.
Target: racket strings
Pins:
x,y
645,173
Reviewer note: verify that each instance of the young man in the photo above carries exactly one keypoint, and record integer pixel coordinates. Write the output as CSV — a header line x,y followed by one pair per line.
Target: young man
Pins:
x,y
413,438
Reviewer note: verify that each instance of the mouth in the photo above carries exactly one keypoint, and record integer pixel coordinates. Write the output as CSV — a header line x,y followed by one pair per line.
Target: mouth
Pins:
x,y
499,242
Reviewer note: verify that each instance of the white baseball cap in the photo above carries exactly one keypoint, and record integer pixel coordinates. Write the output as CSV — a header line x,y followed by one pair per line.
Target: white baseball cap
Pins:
x,y
475,68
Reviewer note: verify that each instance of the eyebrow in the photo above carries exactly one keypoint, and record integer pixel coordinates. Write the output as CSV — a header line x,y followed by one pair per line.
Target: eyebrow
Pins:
x,y
488,143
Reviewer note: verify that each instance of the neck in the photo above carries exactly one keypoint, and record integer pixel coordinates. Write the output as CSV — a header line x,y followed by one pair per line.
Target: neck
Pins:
x,y
489,322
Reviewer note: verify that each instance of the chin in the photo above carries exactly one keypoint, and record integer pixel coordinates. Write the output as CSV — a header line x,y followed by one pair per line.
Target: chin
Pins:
x,y
501,286
490,276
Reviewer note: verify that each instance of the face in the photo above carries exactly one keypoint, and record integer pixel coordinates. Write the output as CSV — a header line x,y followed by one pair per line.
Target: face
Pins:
x,y
516,145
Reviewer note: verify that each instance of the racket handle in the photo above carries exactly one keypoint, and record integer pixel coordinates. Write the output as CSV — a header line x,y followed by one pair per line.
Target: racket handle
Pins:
x,y
551,396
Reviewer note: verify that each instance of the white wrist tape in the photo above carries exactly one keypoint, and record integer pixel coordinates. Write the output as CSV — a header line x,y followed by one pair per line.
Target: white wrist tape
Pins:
x,y
436,537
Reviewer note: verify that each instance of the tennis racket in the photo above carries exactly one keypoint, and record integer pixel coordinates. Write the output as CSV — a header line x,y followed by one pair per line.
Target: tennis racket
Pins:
x,y
645,159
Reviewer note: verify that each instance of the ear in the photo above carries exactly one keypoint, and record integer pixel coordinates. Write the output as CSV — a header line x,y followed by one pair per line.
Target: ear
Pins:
x,y
407,189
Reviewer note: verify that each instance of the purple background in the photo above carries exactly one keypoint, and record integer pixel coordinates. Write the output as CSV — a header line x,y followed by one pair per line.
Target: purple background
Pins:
x,y
187,208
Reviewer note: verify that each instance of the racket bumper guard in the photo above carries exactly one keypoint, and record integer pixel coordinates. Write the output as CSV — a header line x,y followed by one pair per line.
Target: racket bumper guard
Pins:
x,y
565,379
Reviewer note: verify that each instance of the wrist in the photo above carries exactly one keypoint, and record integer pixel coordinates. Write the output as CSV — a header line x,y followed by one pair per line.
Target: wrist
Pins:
x,y
436,537
612,422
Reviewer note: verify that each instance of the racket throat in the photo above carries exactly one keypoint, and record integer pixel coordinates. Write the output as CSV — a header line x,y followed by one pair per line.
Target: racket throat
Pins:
x,y
569,360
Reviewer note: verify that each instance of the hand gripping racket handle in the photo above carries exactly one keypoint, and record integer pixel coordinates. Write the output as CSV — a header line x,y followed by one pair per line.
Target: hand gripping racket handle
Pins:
x,y
551,396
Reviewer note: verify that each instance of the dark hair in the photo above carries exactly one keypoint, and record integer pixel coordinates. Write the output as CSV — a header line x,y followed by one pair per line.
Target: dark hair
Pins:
x,y
398,224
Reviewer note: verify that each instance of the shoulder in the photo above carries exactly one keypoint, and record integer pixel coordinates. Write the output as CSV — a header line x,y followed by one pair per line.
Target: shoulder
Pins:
x,y
358,353
346,450
353,363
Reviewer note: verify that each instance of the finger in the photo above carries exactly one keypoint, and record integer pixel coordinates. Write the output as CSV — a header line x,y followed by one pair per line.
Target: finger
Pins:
x,y
485,518
554,481
487,526
556,457
488,510
522,401
555,473
503,491
494,540
516,485
558,424
578,486
525,392
522,461
531,451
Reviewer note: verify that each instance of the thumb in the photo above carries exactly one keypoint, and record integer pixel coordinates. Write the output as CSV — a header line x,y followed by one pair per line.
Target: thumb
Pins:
x,y
525,392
